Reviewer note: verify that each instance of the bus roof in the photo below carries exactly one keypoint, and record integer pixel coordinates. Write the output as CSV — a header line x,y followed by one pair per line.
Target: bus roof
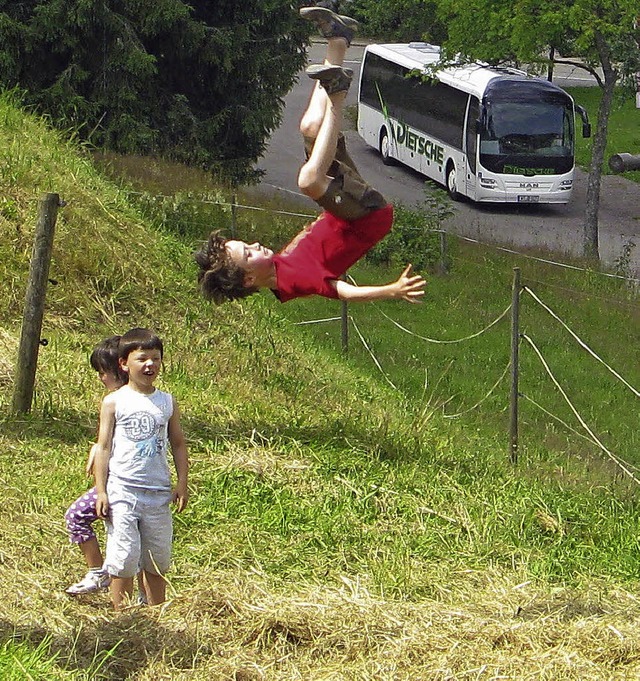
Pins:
x,y
471,78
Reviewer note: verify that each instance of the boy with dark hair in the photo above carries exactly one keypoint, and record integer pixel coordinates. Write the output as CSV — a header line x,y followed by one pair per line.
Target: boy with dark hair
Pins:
x,y
355,216
138,422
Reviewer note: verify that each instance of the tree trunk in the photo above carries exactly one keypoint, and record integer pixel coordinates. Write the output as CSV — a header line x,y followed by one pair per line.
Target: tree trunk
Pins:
x,y
590,229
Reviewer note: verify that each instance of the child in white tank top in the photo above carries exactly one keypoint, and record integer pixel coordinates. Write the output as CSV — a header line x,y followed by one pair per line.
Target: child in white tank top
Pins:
x,y
138,425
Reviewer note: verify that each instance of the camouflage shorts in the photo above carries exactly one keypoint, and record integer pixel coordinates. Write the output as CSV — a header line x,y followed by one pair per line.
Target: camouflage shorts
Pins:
x,y
348,196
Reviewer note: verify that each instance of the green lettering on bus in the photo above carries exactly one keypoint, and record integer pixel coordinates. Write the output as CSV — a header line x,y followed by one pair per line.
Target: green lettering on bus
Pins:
x,y
416,142
400,133
528,172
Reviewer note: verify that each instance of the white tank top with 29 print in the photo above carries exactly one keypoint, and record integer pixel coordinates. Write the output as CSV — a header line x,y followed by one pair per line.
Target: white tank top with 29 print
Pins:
x,y
140,439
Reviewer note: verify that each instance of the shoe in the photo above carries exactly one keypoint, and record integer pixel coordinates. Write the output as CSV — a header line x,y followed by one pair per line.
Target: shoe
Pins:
x,y
330,24
94,580
332,78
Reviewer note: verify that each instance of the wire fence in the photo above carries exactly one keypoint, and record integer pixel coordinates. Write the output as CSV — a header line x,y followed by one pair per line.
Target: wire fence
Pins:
x,y
587,432
583,429
233,206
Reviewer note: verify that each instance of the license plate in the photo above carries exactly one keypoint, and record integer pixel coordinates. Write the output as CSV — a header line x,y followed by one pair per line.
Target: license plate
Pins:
x,y
528,198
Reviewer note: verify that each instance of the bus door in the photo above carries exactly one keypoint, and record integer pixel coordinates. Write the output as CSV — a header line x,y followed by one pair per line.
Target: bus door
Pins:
x,y
471,148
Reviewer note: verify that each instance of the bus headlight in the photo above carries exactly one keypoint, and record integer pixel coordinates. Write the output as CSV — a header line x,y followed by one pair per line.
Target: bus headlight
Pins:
x,y
566,184
488,183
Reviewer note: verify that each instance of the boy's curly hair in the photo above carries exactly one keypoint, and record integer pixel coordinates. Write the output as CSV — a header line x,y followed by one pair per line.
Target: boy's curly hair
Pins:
x,y
220,279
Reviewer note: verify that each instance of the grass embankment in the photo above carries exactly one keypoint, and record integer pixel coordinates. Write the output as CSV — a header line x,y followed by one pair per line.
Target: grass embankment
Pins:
x,y
338,528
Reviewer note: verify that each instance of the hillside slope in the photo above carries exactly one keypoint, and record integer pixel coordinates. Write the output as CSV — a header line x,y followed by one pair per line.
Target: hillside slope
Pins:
x,y
334,532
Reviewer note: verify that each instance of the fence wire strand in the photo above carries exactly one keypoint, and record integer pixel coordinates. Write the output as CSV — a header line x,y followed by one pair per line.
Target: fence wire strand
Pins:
x,y
565,424
318,321
373,357
546,261
443,342
573,291
477,404
580,341
624,467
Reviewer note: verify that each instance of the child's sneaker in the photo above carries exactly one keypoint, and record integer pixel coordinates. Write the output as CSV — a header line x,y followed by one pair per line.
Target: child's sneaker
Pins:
x,y
332,78
330,24
94,580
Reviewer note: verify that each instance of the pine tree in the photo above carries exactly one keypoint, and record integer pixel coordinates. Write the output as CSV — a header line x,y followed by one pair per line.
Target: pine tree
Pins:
x,y
201,82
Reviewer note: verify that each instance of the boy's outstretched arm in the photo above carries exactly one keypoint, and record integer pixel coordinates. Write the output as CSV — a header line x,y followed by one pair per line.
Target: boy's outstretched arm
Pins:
x,y
180,495
409,287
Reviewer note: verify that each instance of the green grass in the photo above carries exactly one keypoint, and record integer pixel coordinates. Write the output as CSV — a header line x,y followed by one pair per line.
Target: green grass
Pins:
x,y
334,519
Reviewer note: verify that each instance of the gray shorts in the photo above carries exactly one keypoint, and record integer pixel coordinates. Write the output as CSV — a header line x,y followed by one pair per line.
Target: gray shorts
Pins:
x,y
139,532
348,196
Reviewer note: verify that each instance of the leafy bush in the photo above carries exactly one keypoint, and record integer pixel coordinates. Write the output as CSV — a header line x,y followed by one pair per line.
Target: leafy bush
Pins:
x,y
187,216
414,237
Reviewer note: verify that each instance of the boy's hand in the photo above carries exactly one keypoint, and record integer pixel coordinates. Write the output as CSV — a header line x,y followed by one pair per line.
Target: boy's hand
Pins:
x,y
102,505
180,497
410,287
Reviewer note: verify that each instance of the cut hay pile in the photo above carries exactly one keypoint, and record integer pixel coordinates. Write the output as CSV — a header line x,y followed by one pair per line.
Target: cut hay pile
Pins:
x,y
238,626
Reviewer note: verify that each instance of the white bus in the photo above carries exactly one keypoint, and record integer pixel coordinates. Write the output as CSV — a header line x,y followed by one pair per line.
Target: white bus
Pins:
x,y
487,133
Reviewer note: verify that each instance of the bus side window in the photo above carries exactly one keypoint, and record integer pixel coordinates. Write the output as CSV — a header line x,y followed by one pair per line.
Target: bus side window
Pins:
x,y
471,134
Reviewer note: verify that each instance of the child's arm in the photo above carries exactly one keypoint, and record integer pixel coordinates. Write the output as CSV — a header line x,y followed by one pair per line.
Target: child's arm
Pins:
x,y
408,287
90,459
180,458
103,453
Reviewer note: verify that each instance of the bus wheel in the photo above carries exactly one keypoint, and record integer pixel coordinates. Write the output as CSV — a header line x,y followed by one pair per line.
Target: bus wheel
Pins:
x,y
384,147
452,186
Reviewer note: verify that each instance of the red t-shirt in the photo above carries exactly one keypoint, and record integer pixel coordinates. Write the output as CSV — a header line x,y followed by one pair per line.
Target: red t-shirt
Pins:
x,y
325,250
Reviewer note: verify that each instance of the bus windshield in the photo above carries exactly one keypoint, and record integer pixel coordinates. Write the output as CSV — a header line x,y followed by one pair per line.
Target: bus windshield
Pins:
x,y
527,137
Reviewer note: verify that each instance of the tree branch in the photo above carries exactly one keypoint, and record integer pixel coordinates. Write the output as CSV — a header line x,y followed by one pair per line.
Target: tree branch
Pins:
x,y
583,66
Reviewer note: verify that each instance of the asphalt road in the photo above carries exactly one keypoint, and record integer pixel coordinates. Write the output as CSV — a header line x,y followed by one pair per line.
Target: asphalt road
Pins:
x,y
557,229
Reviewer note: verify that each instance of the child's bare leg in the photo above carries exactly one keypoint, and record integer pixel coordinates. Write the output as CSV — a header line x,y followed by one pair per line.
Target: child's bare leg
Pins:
x,y
156,588
314,114
121,591
91,552
313,179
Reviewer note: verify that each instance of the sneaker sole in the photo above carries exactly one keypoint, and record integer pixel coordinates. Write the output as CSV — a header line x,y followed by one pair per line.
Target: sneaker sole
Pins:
x,y
332,78
325,19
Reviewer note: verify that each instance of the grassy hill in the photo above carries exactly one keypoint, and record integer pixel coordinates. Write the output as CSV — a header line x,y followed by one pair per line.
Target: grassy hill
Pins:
x,y
338,528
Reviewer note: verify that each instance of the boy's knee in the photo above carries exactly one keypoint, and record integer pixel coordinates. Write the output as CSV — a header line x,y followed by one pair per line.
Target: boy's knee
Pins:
x,y
312,183
310,126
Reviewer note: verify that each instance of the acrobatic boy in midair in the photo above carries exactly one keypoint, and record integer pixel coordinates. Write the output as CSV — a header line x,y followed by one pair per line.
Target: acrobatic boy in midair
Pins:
x,y
355,216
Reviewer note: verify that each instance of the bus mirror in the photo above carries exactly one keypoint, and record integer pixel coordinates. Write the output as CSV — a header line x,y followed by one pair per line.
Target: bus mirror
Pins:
x,y
586,126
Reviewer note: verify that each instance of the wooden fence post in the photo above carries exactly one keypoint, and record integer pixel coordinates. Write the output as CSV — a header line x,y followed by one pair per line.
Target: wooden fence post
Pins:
x,y
34,303
515,342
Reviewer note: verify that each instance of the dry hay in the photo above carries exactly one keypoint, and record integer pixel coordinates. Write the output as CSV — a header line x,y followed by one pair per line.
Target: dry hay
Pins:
x,y
239,626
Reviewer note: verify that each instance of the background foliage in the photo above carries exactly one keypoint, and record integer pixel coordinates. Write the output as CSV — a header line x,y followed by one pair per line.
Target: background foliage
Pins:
x,y
200,82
